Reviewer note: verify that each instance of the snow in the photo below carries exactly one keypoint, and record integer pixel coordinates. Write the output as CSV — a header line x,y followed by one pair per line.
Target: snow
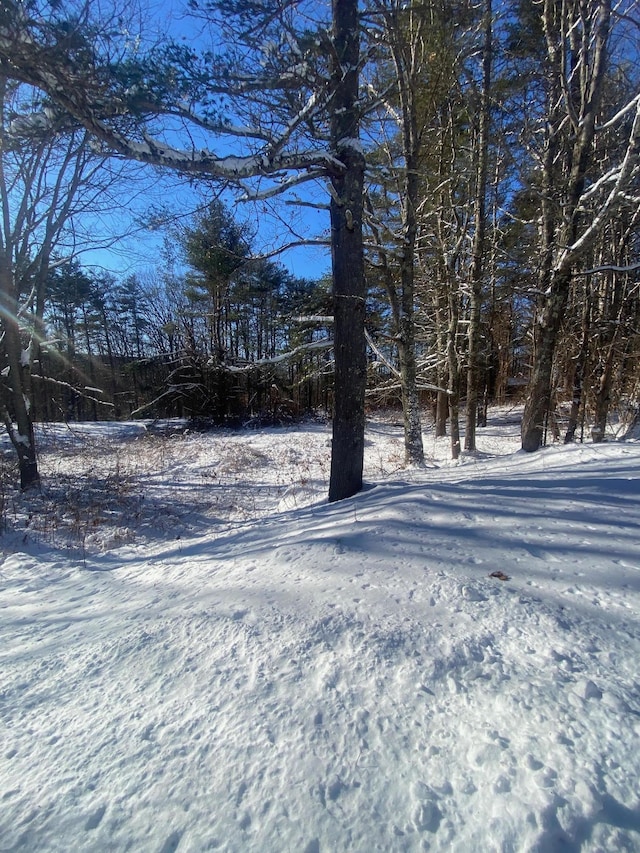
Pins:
x,y
350,142
221,660
25,356
230,167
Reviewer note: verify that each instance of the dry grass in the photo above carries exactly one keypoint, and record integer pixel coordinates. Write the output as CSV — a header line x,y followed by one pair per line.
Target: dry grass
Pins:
x,y
106,485
101,491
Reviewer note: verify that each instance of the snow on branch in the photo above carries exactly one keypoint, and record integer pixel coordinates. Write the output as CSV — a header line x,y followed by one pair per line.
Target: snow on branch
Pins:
x,y
204,162
81,392
282,185
313,346
118,121
609,268
609,177
626,171
381,357
620,114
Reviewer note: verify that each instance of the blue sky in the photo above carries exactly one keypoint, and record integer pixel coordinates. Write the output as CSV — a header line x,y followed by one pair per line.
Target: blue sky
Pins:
x,y
141,249
270,221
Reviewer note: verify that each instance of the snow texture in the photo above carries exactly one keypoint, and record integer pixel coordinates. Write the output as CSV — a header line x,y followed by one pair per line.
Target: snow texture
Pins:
x,y
346,677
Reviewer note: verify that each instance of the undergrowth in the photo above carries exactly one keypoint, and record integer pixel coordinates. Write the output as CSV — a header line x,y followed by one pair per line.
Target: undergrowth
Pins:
x,y
99,492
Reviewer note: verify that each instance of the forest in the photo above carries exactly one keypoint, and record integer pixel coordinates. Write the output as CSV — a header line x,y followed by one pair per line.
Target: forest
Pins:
x,y
477,167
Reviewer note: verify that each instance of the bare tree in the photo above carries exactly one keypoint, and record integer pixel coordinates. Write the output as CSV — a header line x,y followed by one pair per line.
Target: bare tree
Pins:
x,y
44,179
576,199
52,188
403,30
476,273
424,45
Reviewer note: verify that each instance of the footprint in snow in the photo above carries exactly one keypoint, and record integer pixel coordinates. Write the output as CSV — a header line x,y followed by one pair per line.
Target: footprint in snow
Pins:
x,y
171,843
427,816
472,594
93,821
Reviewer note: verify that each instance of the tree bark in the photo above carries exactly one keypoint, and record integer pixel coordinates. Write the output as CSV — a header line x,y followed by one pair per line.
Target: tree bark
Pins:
x,y
561,216
402,312
414,450
347,257
442,411
413,447
477,262
22,433
602,399
539,393
605,380
442,324
578,375
454,373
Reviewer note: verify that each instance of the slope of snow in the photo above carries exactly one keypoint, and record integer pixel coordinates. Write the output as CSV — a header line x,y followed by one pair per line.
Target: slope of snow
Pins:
x,y
331,678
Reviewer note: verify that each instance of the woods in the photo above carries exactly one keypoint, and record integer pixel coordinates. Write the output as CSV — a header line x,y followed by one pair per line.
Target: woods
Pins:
x,y
479,165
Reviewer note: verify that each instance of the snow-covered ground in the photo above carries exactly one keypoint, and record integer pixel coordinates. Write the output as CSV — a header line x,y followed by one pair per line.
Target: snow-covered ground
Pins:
x,y
198,653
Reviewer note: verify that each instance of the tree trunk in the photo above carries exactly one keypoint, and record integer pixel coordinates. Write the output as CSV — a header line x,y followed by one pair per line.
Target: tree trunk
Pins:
x,y
603,397
413,447
454,369
442,413
473,371
454,415
112,364
578,376
561,215
403,314
22,434
539,393
442,399
91,361
611,299
414,450
347,256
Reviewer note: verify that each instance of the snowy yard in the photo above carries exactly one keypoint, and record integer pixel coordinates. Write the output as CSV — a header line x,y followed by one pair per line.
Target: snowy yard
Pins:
x,y
198,653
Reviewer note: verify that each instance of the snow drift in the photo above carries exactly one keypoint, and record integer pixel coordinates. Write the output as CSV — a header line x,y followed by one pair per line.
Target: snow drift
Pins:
x,y
352,677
